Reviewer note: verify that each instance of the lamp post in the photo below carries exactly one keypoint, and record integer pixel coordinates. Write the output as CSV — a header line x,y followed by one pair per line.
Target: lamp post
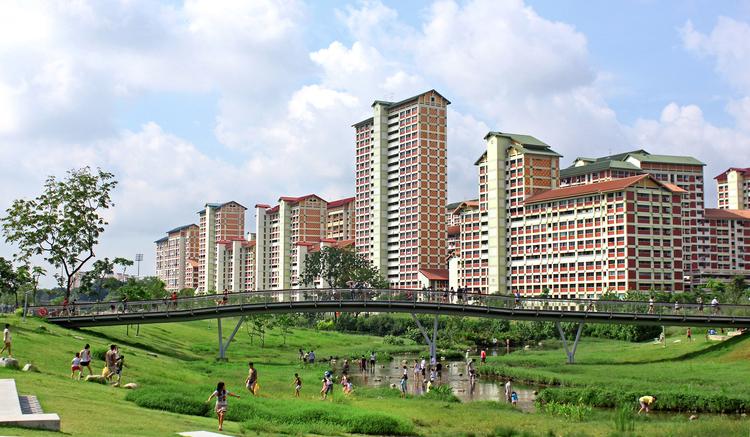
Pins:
x,y
138,259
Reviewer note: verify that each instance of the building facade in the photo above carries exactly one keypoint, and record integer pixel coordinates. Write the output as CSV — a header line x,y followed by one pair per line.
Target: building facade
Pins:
x,y
612,236
723,245
401,187
173,254
235,265
217,222
733,188
281,231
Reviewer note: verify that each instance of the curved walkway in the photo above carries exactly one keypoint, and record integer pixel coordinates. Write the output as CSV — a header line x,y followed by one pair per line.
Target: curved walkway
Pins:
x,y
394,301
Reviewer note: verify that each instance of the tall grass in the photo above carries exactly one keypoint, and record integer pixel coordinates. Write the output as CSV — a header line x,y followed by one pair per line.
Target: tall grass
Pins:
x,y
693,401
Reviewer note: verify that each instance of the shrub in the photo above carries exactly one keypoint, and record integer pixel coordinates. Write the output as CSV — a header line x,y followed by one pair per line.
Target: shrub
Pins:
x,y
668,401
393,340
324,325
440,393
576,412
166,401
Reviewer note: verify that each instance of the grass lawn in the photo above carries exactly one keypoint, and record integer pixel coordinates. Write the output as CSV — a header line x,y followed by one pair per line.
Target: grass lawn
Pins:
x,y
184,370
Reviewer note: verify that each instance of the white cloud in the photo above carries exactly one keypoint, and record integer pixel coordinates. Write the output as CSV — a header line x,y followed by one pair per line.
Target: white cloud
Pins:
x,y
729,44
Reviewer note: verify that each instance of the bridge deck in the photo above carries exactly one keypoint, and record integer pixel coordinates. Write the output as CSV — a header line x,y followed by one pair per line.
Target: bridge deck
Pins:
x,y
396,301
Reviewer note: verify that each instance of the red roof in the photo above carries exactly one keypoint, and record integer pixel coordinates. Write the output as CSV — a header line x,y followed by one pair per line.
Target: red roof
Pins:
x,y
299,199
344,243
272,210
435,274
599,187
305,243
340,202
262,205
727,214
454,230
745,172
328,240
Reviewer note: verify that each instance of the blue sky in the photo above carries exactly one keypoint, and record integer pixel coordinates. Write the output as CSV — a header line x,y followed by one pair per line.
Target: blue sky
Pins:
x,y
201,101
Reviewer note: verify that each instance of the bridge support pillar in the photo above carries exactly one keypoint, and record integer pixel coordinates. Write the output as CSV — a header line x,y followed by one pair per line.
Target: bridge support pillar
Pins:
x,y
223,346
431,342
571,353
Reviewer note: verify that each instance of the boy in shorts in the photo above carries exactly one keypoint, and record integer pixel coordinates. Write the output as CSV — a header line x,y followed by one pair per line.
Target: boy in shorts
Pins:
x,y
75,366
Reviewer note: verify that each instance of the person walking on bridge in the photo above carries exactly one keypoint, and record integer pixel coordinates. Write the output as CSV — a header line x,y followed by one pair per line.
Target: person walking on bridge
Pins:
x,y
650,305
715,306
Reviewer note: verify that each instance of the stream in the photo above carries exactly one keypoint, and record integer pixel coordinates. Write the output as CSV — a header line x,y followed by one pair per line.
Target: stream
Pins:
x,y
454,374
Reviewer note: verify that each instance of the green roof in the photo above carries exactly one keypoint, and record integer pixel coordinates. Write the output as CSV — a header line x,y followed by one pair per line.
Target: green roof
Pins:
x,y
598,166
666,159
622,156
386,103
528,143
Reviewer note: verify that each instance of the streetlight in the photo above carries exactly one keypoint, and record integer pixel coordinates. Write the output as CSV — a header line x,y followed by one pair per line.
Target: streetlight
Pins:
x,y
138,259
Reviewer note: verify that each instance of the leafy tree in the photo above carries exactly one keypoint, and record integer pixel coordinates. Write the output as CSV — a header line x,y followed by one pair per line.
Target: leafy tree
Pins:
x,y
258,325
186,292
95,277
285,322
146,288
36,273
12,279
123,262
63,224
736,289
339,266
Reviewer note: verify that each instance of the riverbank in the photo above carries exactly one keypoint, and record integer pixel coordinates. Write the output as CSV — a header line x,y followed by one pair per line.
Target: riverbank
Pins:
x,y
175,367
695,376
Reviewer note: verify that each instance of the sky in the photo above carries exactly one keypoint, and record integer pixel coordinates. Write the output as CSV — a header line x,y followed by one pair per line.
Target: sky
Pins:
x,y
209,101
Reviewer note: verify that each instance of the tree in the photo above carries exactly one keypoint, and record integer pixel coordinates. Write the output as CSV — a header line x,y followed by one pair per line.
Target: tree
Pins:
x,y
36,272
146,288
258,325
63,224
12,279
124,263
285,323
736,289
339,266
100,269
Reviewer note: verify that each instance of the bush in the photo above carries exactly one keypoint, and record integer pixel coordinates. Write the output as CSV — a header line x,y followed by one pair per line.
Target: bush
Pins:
x,y
169,401
393,340
440,393
668,401
324,325
576,412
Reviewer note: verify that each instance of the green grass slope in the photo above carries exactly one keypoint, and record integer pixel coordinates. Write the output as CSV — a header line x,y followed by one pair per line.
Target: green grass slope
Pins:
x,y
175,367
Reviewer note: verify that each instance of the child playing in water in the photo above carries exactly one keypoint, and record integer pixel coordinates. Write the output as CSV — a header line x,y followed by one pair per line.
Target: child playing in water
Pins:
x,y
514,398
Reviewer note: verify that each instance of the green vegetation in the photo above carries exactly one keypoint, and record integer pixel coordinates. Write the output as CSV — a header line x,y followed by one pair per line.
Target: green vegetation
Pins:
x,y
339,268
63,224
175,368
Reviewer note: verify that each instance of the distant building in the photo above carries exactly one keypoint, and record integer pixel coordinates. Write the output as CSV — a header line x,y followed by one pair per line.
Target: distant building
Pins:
x,y
173,254
218,222
401,187
723,245
734,188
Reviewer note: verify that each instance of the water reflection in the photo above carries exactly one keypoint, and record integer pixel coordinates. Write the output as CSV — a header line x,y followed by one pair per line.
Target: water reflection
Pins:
x,y
454,373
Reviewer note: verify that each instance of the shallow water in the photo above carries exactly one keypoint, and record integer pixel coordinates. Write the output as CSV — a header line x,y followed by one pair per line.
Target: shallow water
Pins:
x,y
454,374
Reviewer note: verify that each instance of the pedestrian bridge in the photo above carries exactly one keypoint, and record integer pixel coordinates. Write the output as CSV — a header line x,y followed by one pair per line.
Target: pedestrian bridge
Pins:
x,y
394,301
437,303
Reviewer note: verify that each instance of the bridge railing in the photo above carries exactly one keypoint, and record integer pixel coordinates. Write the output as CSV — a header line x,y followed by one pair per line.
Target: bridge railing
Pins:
x,y
343,295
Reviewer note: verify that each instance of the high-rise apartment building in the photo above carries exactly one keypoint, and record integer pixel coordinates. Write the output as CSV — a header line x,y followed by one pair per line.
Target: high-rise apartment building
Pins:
x,y
173,255
585,240
685,172
340,219
281,229
723,245
401,187
235,264
218,222
734,188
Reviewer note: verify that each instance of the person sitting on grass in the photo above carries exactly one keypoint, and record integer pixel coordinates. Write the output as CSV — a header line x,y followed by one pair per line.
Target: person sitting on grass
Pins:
x,y
221,394
646,402
75,366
